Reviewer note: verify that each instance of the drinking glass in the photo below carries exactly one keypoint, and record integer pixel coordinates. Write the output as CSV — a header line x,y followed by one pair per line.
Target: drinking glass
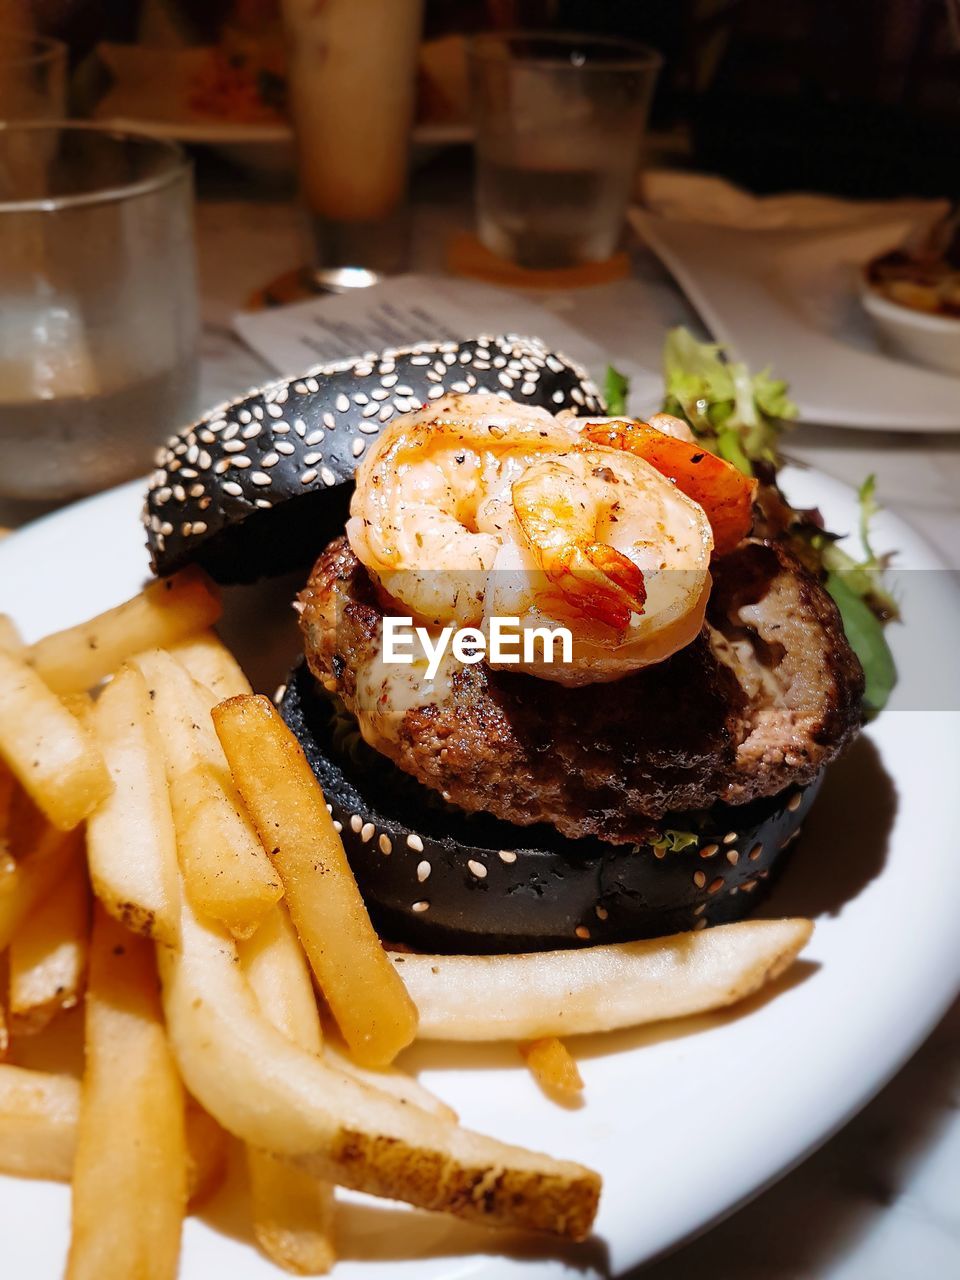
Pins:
x,y
560,121
352,87
98,306
33,77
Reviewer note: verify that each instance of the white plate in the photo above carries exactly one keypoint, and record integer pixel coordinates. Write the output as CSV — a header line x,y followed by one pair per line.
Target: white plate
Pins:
x,y
686,1120
789,299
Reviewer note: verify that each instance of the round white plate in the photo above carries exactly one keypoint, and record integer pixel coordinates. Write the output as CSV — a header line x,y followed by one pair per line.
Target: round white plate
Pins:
x,y
684,1120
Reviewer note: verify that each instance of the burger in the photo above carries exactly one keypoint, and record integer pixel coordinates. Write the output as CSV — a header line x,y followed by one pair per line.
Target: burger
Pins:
x,y
649,781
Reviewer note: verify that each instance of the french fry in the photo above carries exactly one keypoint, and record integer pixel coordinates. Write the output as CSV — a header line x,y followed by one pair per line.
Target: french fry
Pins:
x,y
4,1034
372,1009
10,640
43,856
38,1123
272,1094
47,748
7,786
48,954
8,868
206,1154
292,1209
212,664
131,842
624,984
221,857
78,704
166,611
130,1167
552,1066
39,1113
292,1214
405,1088
277,969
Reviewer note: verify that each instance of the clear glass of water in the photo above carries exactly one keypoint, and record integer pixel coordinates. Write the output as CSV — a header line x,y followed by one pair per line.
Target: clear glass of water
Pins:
x,y
33,77
98,306
352,87
560,121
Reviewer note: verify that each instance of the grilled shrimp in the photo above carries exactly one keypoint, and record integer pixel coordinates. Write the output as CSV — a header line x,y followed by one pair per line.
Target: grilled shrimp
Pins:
x,y
472,509
725,493
562,506
610,549
429,506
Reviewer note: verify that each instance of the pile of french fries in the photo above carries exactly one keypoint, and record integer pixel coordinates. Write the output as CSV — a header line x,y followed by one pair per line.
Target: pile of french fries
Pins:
x,y
167,854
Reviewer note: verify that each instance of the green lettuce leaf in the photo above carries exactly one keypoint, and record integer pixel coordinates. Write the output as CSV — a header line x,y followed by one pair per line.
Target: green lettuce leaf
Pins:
x,y
865,635
736,414
673,841
863,577
616,388
740,416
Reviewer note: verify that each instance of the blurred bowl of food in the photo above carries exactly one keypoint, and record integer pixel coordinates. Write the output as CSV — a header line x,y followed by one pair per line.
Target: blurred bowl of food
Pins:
x,y
912,295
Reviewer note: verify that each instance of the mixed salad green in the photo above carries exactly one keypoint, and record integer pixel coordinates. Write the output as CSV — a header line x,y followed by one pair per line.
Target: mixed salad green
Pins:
x,y
740,416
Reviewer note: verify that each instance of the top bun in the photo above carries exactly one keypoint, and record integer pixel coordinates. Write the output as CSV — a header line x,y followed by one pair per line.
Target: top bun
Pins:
x,y
221,494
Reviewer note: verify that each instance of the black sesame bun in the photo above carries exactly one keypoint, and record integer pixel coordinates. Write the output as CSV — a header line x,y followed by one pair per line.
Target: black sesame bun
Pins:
x,y
437,879
221,496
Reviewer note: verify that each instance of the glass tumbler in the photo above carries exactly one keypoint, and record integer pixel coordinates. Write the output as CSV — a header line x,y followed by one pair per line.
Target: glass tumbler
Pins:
x,y
352,87
33,77
560,121
98,306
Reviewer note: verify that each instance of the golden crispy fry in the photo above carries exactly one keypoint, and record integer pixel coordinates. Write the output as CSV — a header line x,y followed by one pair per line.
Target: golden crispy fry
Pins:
x,y
206,1153
38,1123
10,640
4,1034
269,1092
373,1011
7,785
405,1088
220,855
130,1169
625,984
78,704
292,1209
131,842
553,1067
8,868
42,856
47,748
163,613
277,969
212,664
39,1113
292,1214
48,954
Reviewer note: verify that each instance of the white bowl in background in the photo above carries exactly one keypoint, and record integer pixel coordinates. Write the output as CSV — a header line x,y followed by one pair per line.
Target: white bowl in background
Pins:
x,y
918,336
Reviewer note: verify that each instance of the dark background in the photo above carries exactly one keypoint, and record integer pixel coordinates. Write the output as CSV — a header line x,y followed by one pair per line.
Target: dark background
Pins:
x,y
860,97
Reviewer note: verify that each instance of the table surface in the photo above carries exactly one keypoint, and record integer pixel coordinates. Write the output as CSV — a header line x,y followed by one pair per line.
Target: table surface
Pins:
x,y
882,1198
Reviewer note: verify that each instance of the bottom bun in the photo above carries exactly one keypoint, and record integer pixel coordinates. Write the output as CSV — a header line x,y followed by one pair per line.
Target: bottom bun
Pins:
x,y
438,879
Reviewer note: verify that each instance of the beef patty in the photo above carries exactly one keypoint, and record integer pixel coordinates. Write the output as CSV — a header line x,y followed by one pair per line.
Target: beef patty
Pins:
x,y
767,694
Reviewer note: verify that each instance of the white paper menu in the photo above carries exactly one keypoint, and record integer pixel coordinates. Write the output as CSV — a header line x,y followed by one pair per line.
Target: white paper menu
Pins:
x,y
399,312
